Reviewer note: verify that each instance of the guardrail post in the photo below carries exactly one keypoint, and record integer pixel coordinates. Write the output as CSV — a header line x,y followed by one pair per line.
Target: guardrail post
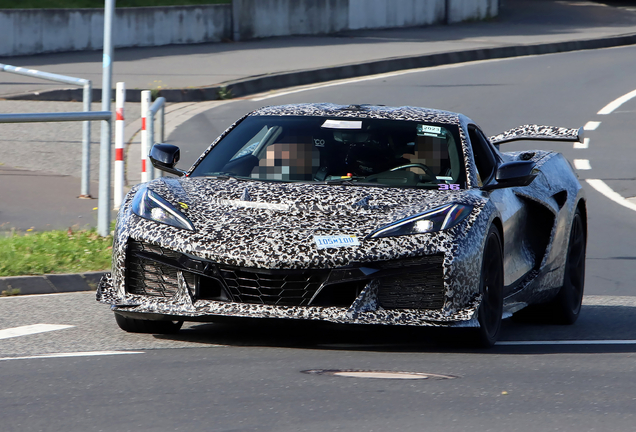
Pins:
x,y
145,148
85,187
158,107
161,124
120,98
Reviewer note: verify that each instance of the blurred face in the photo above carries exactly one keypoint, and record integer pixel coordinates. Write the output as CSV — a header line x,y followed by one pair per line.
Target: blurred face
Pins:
x,y
289,161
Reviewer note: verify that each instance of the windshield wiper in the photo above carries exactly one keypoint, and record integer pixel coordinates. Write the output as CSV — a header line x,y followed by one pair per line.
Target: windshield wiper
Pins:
x,y
350,181
226,176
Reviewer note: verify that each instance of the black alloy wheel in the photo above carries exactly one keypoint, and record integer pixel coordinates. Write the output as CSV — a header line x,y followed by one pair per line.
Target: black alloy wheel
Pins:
x,y
567,303
491,307
133,325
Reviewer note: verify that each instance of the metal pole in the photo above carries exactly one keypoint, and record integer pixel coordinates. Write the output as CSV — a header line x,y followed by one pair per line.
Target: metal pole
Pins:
x,y
85,190
120,124
103,212
161,121
145,148
150,124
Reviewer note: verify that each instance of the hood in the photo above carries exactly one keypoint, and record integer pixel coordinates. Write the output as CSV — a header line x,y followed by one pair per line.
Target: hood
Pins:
x,y
216,204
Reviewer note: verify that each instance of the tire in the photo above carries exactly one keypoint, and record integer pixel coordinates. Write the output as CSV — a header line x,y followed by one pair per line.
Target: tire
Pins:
x,y
491,287
566,306
133,325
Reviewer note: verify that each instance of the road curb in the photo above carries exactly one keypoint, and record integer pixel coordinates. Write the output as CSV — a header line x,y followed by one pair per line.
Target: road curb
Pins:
x,y
276,81
50,283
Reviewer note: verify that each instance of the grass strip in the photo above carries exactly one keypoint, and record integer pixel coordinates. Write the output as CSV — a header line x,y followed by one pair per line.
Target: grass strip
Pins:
x,y
66,4
54,252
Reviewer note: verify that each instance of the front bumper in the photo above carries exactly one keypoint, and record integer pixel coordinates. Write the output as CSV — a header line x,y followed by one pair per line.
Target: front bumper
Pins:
x,y
364,310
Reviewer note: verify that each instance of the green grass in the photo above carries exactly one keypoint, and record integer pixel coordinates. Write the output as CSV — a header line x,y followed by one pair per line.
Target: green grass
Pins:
x,y
40,4
54,252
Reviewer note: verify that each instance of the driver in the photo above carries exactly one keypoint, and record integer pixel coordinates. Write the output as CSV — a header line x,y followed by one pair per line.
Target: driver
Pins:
x,y
374,156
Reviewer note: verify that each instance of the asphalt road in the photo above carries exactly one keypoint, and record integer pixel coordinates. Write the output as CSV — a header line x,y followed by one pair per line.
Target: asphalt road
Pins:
x,y
248,377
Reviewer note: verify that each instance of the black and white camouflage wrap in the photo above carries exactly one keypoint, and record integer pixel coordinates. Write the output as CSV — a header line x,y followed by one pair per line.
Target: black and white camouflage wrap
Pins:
x,y
275,228
533,132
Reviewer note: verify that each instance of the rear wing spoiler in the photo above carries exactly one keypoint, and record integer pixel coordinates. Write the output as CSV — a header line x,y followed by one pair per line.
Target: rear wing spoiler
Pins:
x,y
537,132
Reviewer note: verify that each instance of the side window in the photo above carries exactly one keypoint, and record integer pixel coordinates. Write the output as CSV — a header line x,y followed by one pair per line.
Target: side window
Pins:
x,y
484,158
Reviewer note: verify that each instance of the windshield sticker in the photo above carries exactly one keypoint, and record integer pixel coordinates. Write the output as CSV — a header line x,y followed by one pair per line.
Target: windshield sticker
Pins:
x,y
452,186
427,130
324,242
342,124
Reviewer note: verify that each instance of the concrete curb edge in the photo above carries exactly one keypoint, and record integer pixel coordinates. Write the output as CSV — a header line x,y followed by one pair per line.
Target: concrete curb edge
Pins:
x,y
276,81
51,283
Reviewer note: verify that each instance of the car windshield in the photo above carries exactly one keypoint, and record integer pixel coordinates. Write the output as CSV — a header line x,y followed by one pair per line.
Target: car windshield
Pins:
x,y
339,151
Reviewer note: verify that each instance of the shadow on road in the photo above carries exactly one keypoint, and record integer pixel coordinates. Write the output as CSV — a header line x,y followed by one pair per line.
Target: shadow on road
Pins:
x,y
600,329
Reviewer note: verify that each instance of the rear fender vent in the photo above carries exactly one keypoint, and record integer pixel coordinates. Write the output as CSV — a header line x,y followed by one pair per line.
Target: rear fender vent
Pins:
x,y
561,198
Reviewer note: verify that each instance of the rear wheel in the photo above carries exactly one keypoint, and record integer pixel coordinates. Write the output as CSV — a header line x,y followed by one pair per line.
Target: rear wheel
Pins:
x,y
567,304
491,288
133,325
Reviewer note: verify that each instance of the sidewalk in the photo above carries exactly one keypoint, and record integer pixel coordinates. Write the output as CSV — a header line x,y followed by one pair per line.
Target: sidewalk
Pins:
x,y
46,201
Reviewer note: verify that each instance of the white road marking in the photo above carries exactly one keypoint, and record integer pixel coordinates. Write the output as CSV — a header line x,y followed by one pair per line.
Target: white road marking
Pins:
x,y
31,329
601,187
73,354
567,342
610,107
591,125
602,300
582,164
269,95
585,144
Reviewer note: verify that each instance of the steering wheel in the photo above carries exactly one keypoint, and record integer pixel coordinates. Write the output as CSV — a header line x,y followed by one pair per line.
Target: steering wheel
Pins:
x,y
429,172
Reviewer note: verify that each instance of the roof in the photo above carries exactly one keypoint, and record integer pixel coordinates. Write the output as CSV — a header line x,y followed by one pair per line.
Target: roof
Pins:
x,y
361,111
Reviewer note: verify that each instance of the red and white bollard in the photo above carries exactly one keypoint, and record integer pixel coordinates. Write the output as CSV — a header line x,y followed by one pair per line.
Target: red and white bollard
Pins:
x,y
120,99
145,106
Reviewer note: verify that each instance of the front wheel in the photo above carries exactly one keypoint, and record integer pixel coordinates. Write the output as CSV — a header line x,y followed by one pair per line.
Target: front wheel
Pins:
x,y
491,289
133,325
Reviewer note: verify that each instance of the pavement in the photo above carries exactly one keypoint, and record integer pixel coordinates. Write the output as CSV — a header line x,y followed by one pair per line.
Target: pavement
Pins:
x,y
40,163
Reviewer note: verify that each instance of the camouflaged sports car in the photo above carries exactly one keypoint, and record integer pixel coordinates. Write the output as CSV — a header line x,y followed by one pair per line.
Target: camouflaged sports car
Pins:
x,y
353,214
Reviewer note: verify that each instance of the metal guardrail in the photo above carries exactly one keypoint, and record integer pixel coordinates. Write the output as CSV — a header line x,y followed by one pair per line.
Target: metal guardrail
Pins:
x,y
56,117
87,99
103,217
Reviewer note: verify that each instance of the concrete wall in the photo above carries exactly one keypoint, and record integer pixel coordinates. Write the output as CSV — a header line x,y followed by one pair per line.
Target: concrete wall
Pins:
x,y
33,31
266,18
369,14
463,10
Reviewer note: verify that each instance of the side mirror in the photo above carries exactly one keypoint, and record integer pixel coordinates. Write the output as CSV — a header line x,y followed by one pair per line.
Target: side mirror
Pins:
x,y
165,157
511,174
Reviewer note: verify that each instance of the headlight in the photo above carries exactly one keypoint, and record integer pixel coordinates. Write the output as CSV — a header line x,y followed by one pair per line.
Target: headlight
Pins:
x,y
149,205
437,219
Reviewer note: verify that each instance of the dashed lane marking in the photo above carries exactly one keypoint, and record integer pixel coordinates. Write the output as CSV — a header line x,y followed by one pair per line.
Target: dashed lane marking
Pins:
x,y
582,164
31,329
73,354
585,144
610,107
591,125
